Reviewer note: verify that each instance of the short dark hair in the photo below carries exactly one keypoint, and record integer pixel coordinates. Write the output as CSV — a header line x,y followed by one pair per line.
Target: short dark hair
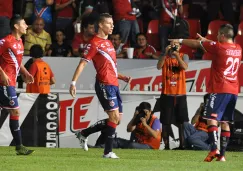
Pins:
x,y
141,34
15,20
145,105
36,51
227,30
103,16
87,20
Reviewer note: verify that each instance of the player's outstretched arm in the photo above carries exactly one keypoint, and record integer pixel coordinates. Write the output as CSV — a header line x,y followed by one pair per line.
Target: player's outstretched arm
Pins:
x,y
78,71
124,78
188,42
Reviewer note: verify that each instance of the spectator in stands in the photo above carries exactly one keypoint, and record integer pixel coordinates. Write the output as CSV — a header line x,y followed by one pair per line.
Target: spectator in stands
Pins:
x,y
144,50
125,21
60,48
41,72
196,133
173,96
94,8
82,39
169,11
43,9
121,49
65,10
37,35
6,11
146,128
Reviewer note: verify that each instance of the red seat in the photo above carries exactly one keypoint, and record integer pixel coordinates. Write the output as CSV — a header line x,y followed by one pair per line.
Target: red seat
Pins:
x,y
194,27
239,40
187,50
153,26
185,11
214,26
153,34
240,28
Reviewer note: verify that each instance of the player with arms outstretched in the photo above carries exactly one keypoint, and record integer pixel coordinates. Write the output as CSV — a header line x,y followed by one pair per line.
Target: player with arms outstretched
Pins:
x,y
11,55
102,53
223,86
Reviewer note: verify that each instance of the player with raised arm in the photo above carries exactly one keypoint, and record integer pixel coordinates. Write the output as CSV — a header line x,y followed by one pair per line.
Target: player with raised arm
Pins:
x,y
223,86
102,53
11,55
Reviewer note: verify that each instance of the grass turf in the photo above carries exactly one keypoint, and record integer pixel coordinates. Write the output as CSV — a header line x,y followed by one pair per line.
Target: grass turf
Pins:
x,y
48,159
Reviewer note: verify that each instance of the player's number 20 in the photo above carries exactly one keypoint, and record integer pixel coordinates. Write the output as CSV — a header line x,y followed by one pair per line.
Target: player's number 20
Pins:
x,y
233,66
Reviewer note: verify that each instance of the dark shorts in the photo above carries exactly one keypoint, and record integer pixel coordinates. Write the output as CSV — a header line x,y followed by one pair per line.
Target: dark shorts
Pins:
x,y
173,109
109,97
8,97
220,107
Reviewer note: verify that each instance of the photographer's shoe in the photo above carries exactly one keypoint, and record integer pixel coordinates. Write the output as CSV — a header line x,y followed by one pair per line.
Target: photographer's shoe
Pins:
x,y
111,155
82,140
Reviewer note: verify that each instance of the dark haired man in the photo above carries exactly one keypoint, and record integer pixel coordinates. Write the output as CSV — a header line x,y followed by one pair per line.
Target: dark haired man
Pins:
x,y
102,53
11,52
223,85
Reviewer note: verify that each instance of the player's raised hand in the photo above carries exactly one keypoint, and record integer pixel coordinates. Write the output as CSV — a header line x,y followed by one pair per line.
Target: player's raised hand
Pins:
x,y
72,90
201,38
5,79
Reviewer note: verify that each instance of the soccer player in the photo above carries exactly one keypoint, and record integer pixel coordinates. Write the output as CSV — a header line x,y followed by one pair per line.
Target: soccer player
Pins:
x,y
11,52
223,86
102,53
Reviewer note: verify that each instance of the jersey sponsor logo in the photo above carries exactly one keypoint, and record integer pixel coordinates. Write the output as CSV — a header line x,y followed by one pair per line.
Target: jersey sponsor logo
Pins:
x,y
20,52
212,99
2,42
11,103
212,43
111,103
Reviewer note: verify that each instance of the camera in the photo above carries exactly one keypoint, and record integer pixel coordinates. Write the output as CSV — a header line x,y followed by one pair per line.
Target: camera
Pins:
x,y
141,114
174,48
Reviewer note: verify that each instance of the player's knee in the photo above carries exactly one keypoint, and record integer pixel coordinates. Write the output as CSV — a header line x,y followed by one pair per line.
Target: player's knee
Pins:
x,y
14,112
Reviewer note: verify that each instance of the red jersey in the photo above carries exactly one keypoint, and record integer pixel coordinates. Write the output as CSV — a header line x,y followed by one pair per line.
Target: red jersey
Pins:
x,y
11,52
103,55
167,12
66,12
122,8
142,55
226,59
79,42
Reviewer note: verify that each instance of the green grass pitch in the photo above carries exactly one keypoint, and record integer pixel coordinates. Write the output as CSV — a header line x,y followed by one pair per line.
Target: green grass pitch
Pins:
x,y
70,159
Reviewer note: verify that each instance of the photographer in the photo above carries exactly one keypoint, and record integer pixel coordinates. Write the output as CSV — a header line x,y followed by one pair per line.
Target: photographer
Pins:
x,y
145,128
173,101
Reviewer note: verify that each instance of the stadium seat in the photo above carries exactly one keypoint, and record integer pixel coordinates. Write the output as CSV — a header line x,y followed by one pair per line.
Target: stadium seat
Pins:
x,y
239,40
189,51
194,27
185,11
240,28
153,34
153,27
207,56
214,26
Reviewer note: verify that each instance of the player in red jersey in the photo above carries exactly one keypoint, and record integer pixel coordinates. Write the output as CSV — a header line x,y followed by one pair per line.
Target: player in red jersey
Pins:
x,y
102,53
223,86
11,52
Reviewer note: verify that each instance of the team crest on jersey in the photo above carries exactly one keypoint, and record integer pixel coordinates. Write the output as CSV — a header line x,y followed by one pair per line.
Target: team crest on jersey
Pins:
x,y
112,103
11,102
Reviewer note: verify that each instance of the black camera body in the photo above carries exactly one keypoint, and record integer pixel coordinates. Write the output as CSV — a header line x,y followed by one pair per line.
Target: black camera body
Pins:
x,y
174,48
141,114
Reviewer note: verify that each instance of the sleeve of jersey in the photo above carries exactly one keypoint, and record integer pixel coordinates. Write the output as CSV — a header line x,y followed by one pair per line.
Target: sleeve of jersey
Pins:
x,y
156,125
210,47
90,52
2,46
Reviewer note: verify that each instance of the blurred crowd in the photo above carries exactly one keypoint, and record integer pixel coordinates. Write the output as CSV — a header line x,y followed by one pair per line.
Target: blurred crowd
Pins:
x,y
64,27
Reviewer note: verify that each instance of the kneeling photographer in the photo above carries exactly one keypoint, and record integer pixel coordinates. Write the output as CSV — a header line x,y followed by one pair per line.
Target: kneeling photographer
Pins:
x,y
145,128
173,103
